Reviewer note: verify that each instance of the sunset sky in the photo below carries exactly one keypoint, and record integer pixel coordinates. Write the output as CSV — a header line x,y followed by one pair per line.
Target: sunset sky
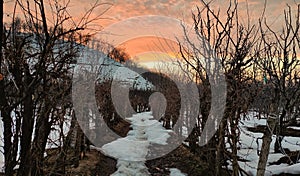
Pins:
x,y
139,43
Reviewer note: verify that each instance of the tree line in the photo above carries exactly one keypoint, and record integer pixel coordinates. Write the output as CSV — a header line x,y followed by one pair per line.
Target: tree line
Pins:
x,y
261,68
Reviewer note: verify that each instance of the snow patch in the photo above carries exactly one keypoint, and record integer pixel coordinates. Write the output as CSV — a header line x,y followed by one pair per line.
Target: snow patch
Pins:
x,y
250,144
283,168
176,172
294,127
132,150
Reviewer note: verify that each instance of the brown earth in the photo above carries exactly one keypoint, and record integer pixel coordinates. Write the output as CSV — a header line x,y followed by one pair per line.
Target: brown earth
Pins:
x,y
97,164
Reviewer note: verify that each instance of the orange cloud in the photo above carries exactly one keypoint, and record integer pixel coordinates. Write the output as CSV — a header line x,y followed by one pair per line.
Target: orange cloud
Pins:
x,y
137,46
180,9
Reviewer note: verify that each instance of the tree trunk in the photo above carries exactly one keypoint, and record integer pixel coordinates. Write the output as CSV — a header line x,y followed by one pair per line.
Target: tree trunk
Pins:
x,y
78,145
27,129
277,145
220,147
42,131
8,159
234,138
5,113
265,148
60,164
10,148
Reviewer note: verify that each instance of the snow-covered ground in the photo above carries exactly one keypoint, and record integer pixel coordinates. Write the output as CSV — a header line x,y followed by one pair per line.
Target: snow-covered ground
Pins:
x,y
1,146
251,142
106,68
294,128
132,150
176,172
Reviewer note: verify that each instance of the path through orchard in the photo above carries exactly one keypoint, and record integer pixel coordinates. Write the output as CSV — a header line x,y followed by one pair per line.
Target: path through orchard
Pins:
x,y
131,151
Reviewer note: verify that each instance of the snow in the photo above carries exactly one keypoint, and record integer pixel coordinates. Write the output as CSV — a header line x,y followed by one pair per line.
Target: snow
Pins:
x,y
132,150
1,145
106,68
294,127
54,138
250,144
292,143
251,120
97,62
153,129
176,172
129,168
284,168
127,149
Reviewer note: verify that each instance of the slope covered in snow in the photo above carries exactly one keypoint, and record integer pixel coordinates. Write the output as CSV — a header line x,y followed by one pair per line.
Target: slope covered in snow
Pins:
x,y
106,68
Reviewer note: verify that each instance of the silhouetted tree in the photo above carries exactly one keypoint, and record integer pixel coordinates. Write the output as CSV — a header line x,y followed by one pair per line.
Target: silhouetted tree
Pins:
x,y
229,42
35,91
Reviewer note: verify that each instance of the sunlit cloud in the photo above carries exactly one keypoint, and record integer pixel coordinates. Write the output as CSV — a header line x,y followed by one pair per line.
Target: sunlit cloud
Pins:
x,y
120,10
157,61
149,44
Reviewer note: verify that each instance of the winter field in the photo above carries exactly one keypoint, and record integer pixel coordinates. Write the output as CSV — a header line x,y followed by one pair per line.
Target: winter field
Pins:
x,y
146,132
130,151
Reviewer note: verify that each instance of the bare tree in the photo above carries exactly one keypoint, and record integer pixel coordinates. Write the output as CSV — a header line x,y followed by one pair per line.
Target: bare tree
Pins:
x,y
278,60
232,43
37,64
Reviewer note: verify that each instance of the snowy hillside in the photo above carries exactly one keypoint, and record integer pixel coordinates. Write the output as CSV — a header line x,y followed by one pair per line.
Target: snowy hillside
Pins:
x,y
106,68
